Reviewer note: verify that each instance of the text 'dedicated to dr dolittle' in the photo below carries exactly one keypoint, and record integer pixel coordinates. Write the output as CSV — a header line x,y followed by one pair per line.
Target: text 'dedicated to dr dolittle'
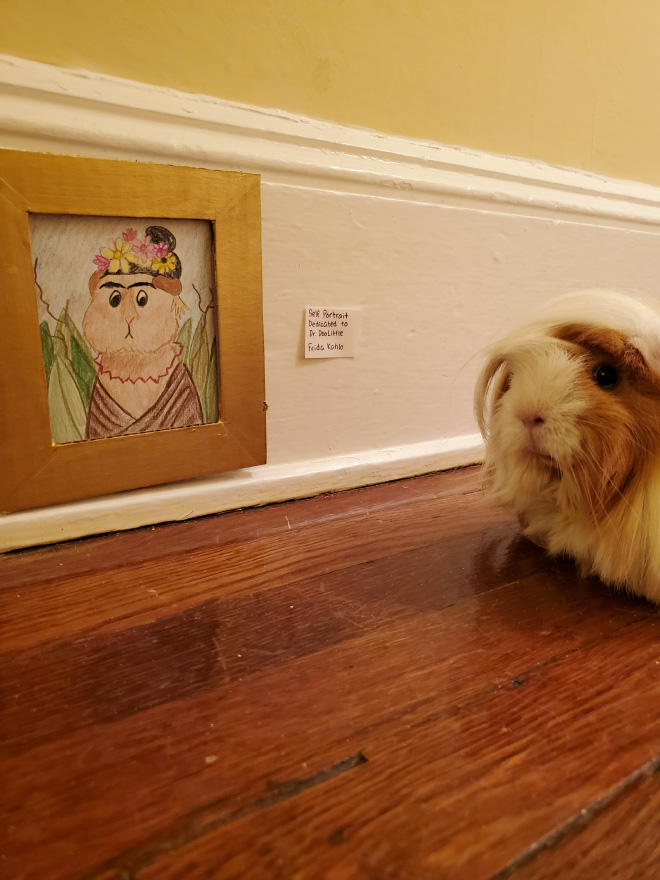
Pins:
x,y
330,332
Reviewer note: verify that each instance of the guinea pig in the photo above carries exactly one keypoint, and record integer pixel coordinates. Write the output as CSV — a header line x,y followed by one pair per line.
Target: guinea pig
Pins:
x,y
132,322
569,407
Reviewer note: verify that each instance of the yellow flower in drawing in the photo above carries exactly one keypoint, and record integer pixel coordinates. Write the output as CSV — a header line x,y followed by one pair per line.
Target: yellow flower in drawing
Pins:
x,y
164,263
119,255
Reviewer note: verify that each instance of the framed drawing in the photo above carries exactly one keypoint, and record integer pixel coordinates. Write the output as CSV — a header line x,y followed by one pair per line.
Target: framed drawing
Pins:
x,y
132,334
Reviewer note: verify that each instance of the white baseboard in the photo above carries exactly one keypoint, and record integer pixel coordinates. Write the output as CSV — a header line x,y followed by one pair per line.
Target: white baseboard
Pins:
x,y
442,248
247,488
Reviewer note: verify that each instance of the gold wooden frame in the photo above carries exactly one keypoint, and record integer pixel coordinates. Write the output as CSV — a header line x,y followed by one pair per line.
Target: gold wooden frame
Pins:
x,y
35,472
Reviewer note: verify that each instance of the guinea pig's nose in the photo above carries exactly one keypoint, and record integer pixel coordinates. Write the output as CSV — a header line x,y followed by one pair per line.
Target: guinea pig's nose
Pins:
x,y
532,421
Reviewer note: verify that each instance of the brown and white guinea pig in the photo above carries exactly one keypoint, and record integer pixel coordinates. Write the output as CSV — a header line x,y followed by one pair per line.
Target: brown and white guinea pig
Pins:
x,y
569,406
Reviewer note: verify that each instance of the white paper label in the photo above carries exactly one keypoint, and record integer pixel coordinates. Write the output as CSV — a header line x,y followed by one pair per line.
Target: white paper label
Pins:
x,y
330,332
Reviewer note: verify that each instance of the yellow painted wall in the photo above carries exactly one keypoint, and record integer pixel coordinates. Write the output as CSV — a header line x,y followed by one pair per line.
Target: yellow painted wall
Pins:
x,y
573,82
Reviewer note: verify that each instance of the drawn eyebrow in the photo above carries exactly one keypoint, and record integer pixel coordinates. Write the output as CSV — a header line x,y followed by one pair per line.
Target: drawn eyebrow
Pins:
x,y
135,284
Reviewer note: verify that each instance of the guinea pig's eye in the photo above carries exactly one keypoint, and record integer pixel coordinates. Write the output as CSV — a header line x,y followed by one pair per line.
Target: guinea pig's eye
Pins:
x,y
605,376
115,299
141,298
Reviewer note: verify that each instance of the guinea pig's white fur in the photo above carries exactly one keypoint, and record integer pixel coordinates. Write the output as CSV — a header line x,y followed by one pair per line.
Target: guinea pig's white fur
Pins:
x,y
579,461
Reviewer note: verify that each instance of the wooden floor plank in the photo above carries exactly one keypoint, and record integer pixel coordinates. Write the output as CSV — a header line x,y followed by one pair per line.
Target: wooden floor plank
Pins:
x,y
113,551
34,610
386,683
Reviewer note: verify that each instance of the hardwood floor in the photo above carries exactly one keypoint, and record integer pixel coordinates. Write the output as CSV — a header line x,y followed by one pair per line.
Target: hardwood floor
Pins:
x,y
384,683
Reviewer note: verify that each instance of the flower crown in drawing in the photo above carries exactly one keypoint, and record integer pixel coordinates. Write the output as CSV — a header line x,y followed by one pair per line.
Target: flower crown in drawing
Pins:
x,y
153,254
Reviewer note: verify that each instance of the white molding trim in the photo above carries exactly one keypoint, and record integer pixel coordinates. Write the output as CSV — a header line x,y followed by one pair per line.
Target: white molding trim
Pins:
x,y
90,113
247,488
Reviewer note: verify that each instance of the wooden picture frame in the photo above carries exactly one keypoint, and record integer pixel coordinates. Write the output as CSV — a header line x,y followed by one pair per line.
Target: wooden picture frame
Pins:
x,y
34,470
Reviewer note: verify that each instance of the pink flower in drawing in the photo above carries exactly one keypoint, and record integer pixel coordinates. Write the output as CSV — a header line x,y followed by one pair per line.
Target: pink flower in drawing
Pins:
x,y
129,235
144,250
161,249
101,262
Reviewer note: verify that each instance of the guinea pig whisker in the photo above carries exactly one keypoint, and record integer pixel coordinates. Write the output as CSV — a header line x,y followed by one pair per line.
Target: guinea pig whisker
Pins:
x,y
583,482
601,426
599,467
597,520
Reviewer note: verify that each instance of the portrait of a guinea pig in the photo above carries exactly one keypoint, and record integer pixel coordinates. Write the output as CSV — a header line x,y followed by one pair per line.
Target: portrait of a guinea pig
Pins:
x,y
569,407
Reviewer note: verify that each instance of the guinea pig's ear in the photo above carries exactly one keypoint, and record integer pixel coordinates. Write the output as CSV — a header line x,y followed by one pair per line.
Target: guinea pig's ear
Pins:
x,y
492,383
94,281
649,355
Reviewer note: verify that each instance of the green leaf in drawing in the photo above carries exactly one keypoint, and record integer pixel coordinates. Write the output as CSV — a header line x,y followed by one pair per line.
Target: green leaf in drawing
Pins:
x,y
66,330
199,359
84,370
47,348
70,345
75,333
185,338
67,413
211,391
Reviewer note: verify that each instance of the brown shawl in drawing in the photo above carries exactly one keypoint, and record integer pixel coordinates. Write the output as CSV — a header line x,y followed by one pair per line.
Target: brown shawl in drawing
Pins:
x,y
177,407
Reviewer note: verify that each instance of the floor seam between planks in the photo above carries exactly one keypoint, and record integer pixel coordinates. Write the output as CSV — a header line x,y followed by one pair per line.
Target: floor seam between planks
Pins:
x,y
129,863
579,821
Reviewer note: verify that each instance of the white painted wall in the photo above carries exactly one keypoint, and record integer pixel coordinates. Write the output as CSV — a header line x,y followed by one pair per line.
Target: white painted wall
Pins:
x,y
442,249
